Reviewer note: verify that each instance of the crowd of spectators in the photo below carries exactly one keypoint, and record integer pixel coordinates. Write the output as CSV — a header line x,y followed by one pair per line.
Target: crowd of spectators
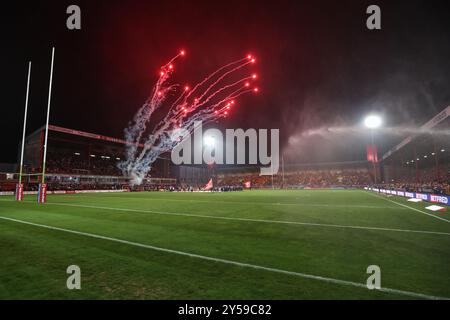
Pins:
x,y
7,186
98,165
54,186
427,183
71,164
230,182
302,179
185,188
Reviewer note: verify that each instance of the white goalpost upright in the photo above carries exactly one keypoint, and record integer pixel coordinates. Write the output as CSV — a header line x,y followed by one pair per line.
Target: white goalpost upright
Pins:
x,y
42,194
19,186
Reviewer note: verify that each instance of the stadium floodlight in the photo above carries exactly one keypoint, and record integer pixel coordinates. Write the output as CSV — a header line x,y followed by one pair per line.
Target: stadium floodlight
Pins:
x,y
209,141
372,121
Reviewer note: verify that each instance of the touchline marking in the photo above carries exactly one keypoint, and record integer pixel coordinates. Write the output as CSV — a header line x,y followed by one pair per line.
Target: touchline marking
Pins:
x,y
231,262
251,220
404,205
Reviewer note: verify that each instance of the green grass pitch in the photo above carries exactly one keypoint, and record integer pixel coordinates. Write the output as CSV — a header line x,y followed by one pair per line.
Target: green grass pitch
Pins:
x,y
305,244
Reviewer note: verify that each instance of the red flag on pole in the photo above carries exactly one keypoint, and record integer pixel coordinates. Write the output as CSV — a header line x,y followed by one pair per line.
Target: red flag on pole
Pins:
x,y
372,153
209,185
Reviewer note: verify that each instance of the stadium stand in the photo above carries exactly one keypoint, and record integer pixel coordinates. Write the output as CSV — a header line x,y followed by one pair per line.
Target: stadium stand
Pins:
x,y
80,160
421,162
325,175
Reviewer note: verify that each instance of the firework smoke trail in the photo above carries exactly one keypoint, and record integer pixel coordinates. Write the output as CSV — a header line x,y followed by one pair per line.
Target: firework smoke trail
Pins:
x,y
213,98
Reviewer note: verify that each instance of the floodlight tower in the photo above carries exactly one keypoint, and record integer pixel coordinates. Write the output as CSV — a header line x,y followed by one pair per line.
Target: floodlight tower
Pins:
x,y
373,122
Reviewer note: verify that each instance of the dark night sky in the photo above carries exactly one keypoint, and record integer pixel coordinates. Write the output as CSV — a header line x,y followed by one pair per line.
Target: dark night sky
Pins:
x,y
319,65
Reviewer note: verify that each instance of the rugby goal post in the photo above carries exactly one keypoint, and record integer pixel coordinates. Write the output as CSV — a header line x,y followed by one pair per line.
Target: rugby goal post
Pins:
x,y
19,186
42,194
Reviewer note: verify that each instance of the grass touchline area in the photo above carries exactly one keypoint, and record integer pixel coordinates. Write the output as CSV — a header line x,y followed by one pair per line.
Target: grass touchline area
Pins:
x,y
250,220
411,208
230,245
240,264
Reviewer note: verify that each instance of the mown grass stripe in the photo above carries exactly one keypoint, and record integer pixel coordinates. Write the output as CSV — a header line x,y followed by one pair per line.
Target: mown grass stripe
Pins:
x,y
324,225
231,262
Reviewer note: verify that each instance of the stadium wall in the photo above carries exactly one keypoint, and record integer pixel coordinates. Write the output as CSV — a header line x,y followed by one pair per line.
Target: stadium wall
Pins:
x,y
11,193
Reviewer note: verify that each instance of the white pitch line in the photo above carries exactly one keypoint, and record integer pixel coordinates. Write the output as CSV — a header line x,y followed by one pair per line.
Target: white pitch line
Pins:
x,y
404,205
231,262
251,220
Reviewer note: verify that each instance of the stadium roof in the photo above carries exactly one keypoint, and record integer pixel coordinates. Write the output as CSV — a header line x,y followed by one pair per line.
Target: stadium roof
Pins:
x,y
436,120
82,134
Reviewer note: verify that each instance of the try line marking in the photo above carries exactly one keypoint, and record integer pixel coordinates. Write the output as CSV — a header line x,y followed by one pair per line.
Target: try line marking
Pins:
x,y
231,262
404,205
311,224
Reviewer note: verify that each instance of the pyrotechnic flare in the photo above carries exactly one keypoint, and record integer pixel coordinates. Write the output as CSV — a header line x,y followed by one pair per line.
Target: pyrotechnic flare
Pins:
x,y
206,101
